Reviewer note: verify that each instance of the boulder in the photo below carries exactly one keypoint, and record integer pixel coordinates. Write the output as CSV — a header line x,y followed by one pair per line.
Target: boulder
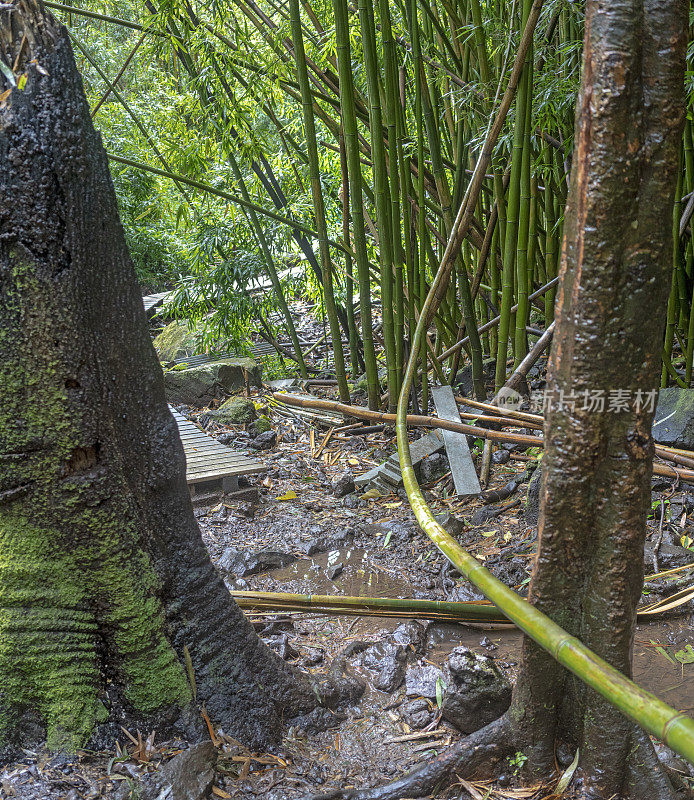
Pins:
x,y
235,411
201,385
188,776
176,341
473,690
476,691
265,441
242,563
674,418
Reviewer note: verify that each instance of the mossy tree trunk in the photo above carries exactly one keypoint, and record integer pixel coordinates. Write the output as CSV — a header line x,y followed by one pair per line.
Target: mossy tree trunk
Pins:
x,y
104,578
610,316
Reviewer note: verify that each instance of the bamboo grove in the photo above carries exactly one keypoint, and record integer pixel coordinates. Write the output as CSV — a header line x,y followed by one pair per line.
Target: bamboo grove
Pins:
x,y
356,130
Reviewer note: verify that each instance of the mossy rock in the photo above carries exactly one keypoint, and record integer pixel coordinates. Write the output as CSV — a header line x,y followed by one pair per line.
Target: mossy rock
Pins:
x,y
263,424
361,385
676,410
177,340
201,385
235,411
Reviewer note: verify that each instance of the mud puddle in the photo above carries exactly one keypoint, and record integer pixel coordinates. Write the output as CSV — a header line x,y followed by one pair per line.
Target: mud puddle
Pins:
x,y
664,675
348,571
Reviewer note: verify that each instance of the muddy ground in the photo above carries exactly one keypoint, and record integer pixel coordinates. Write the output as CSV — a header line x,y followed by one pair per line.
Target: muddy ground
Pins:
x,y
288,532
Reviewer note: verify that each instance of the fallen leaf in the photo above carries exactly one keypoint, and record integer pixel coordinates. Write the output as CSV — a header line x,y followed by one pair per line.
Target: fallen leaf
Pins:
x,y
290,495
663,652
565,779
685,656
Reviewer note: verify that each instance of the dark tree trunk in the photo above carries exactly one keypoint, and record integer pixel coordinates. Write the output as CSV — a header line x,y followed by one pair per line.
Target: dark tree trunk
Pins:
x,y
104,578
610,315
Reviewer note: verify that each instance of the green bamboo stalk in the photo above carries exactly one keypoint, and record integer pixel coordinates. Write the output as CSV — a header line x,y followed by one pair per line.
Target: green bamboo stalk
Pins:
x,y
349,281
521,338
512,214
356,197
317,194
381,194
392,119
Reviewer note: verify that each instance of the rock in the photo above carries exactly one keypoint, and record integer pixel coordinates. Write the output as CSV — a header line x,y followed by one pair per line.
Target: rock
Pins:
x,y
669,556
450,523
242,563
344,485
463,379
417,713
201,385
500,456
433,467
674,418
188,776
400,530
177,340
531,512
476,691
235,411
262,425
334,571
329,541
412,635
353,501
481,516
264,441
390,661
421,680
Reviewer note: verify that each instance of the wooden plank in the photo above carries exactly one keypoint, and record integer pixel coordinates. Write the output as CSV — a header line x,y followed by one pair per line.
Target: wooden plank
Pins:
x,y
207,459
152,301
463,471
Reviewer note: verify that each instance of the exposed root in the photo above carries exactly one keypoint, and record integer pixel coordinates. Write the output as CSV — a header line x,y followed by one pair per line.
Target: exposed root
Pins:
x,y
489,743
646,777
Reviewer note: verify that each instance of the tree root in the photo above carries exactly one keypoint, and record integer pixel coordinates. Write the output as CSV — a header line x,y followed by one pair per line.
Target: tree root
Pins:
x,y
491,742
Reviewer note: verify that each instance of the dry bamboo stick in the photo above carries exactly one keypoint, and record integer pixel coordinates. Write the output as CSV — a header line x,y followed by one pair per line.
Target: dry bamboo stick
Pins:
x,y
418,420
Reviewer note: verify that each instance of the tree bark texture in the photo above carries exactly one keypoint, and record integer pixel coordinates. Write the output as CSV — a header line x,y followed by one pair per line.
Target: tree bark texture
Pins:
x,y
104,578
610,315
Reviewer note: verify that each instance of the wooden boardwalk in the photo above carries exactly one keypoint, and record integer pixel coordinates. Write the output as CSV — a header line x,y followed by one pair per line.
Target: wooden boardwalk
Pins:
x,y
153,301
208,460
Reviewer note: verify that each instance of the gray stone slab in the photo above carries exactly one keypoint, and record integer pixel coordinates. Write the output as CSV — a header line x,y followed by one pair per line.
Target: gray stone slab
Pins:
x,y
463,471
388,473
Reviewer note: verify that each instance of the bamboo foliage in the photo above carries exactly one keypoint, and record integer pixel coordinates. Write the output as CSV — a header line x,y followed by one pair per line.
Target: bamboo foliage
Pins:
x,y
408,90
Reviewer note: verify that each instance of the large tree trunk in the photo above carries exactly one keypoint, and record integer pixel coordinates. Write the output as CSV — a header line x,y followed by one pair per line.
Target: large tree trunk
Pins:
x,y
610,315
104,578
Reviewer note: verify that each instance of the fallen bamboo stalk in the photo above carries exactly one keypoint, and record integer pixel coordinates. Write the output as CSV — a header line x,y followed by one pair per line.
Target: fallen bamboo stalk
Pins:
x,y
421,421
470,612
683,457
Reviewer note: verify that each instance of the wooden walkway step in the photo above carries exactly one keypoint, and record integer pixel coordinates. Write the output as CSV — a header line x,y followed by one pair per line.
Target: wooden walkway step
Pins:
x,y
153,301
208,460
